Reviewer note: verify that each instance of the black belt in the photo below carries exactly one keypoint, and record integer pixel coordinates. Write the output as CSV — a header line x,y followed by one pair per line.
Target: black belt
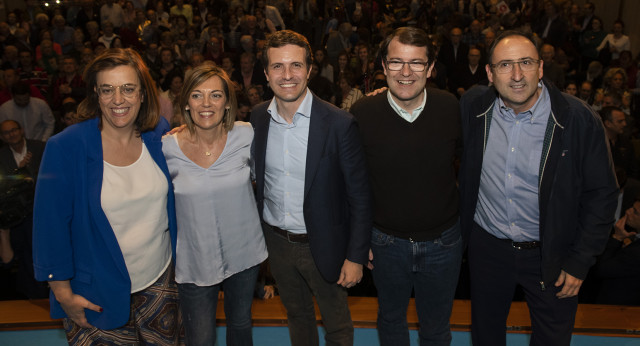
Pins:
x,y
292,237
523,245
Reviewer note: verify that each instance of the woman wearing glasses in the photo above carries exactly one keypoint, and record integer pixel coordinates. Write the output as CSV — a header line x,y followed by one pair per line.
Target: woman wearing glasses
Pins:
x,y
220,242
104,217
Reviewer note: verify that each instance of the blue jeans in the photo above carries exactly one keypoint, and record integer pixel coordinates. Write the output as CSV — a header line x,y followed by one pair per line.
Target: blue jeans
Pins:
x,y
431,269
199,304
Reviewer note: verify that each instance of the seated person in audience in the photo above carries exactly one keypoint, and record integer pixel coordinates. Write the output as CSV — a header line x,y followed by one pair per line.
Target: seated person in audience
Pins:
x,y
319,85
465,77
617,268
20,160
9,78
571,88
69,83
622,150
33,114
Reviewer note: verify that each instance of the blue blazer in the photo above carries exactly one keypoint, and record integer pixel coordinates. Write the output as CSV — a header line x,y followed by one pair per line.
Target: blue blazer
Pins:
x,y
72,238
337,199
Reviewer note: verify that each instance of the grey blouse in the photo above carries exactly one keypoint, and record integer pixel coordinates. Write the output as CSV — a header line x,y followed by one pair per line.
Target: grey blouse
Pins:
x,y
219,232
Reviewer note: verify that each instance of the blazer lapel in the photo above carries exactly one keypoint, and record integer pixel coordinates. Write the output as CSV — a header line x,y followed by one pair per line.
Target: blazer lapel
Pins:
x,y
318,131
260,135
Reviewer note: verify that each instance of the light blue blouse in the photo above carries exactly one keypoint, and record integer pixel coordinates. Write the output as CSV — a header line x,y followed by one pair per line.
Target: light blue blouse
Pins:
x,y
219,232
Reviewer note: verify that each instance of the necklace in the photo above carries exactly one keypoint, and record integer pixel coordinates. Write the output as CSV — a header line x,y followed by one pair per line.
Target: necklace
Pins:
x,y
208,153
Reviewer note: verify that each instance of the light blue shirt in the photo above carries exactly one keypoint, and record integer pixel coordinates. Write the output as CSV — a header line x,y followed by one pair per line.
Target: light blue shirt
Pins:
x,y
508,197
285,166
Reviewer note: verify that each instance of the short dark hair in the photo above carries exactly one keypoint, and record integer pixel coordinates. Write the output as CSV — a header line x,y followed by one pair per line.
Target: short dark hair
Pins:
x,y
20,88
510,33
606,113
413,37
285,37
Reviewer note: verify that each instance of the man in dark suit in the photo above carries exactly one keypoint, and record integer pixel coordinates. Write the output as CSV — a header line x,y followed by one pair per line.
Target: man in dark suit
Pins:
x,y
19,158
313,194
17,146
453,52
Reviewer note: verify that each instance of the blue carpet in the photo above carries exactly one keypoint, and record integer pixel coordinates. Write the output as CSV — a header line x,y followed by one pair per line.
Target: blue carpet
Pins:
x,y
279,336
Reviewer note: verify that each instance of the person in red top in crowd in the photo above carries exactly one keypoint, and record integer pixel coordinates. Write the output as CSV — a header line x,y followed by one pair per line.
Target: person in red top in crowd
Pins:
x,y
69,83
10,77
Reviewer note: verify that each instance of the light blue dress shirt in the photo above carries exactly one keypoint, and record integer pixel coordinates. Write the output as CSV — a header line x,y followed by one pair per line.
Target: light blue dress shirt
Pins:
x,y
285,166
508,197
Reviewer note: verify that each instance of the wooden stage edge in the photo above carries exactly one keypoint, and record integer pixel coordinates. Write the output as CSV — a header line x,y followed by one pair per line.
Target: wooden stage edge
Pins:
x,y
598,320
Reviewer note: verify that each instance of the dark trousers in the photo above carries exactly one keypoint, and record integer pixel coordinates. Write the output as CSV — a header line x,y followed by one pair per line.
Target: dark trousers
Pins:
x,y
298,281
496,269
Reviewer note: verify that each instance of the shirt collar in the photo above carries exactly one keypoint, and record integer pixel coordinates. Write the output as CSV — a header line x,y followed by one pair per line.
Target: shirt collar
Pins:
x,y
303,110
534,113
410,117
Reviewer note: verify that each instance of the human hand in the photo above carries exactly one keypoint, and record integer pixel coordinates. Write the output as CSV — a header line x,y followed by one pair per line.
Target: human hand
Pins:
x,y
73,304
377,91
350,274
176,129
269,292
370,262
620,233
571,285
25,161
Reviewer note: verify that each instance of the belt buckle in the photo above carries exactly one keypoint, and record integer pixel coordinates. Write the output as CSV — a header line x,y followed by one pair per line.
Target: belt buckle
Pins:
x,y
516,246
289,237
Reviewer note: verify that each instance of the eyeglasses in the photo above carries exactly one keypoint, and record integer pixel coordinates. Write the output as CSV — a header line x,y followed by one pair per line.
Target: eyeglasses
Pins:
x,y
106,92
414,66
10,131
506,66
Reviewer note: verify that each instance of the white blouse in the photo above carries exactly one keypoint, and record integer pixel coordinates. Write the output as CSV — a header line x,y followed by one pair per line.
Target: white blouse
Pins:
x,y
134,199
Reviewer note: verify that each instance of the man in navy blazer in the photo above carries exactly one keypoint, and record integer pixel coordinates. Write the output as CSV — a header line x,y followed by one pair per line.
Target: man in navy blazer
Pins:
x,y
313,194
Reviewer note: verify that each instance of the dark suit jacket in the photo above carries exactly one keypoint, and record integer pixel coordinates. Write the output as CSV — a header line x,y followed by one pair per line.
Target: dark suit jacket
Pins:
x,y
8,164
337,198
451,60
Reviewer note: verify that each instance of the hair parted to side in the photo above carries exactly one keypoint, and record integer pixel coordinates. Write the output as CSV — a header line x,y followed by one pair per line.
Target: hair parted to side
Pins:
x,y
285,37
193,79
413,37
149,113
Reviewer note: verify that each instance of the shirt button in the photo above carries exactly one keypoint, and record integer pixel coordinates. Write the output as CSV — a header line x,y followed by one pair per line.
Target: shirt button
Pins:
x,y
510,201
518,122
513,224
513,149
509,175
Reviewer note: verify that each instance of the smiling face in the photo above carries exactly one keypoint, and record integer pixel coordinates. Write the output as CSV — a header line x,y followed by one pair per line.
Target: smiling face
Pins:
x,y
207,104
119,111
518,89
288,73
406,86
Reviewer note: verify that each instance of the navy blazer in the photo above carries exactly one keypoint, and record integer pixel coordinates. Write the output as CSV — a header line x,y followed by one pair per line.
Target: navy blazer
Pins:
x,y
72,238
337,199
